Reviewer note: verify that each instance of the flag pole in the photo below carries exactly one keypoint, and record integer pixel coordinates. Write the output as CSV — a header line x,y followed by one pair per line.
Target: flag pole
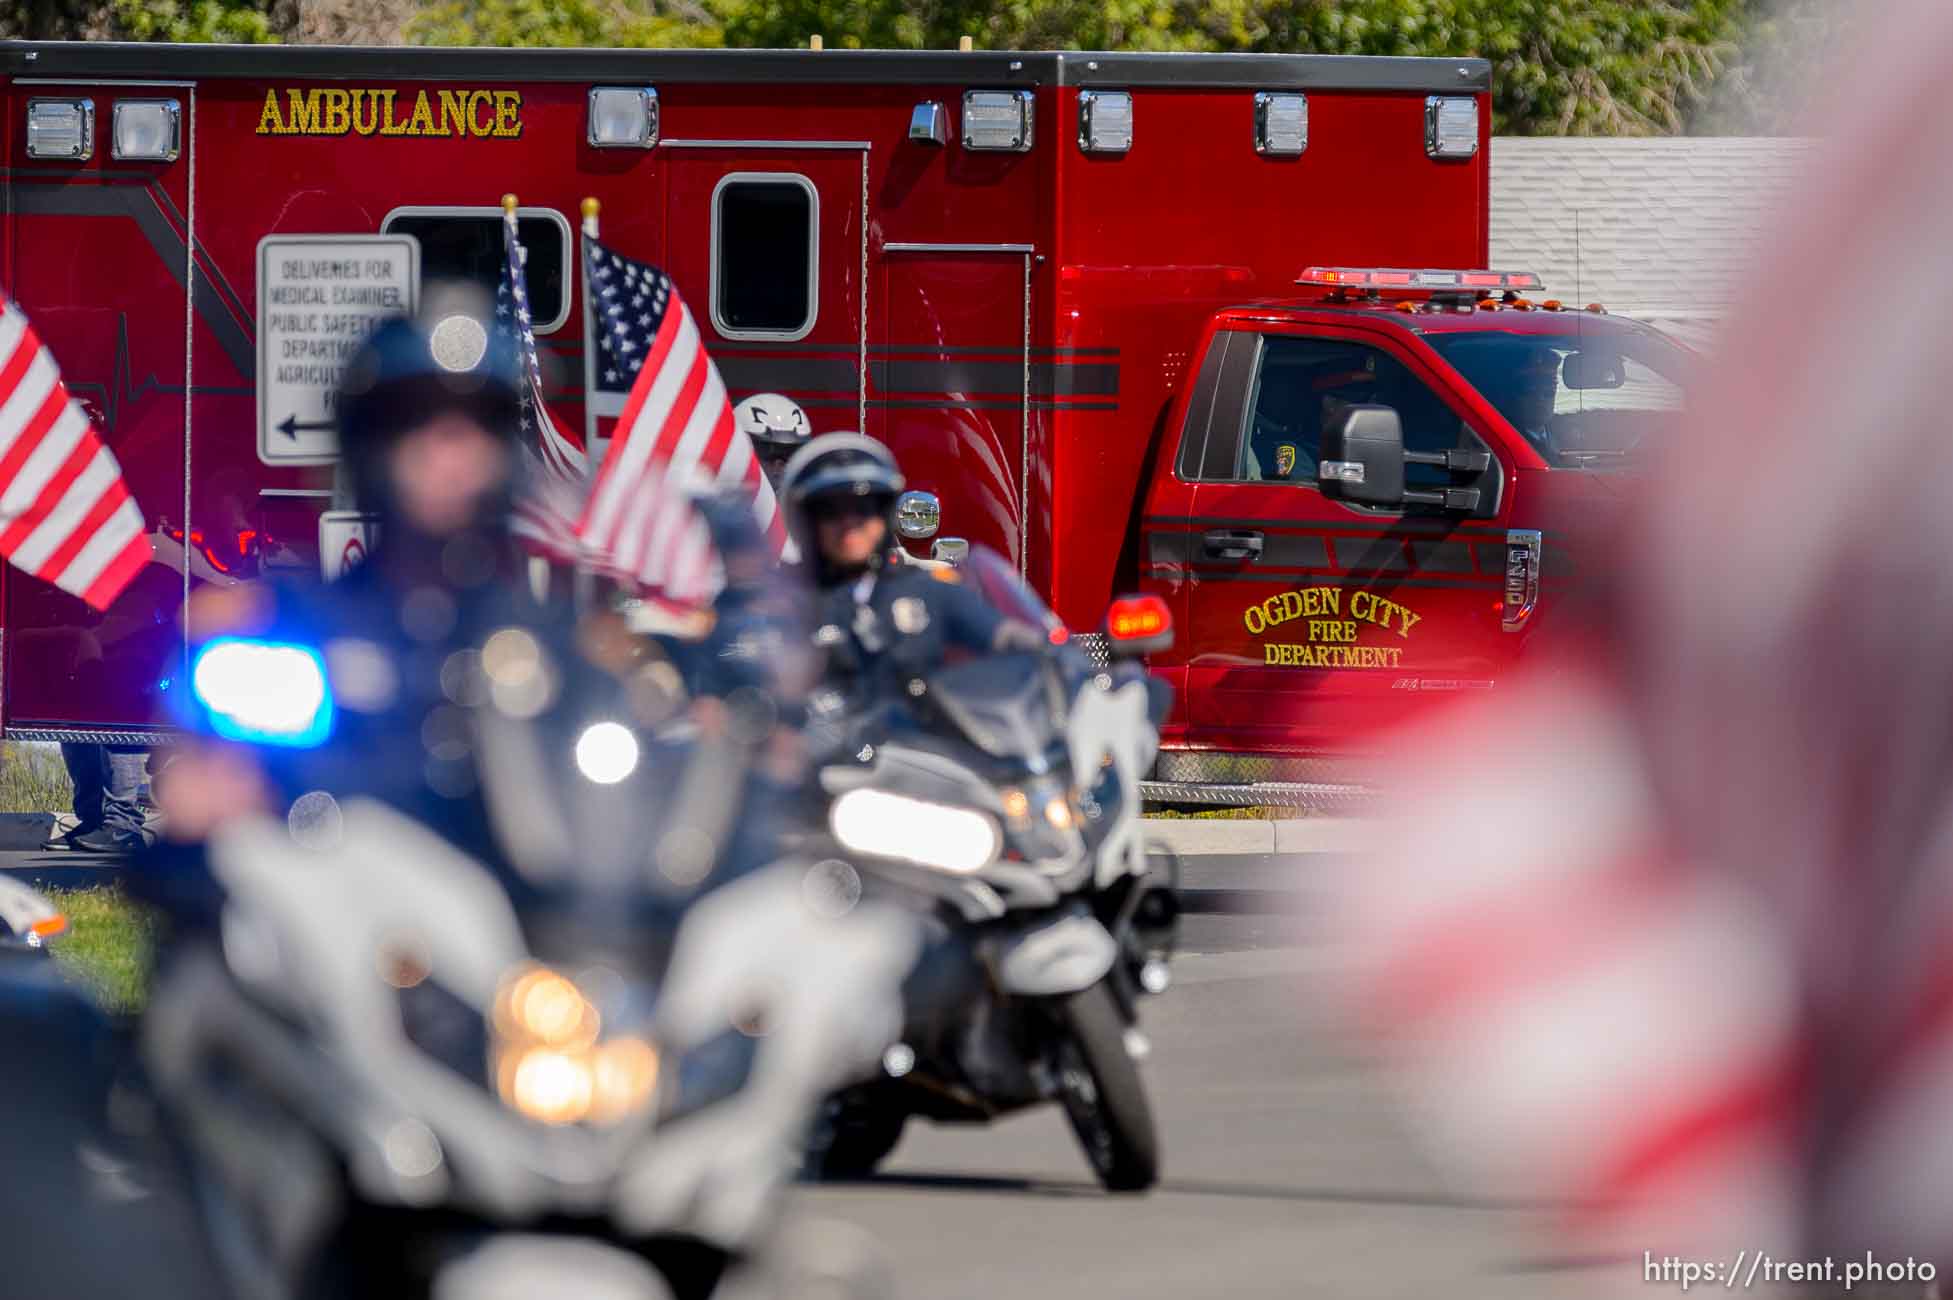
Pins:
x,y
593,449
538,566
590,209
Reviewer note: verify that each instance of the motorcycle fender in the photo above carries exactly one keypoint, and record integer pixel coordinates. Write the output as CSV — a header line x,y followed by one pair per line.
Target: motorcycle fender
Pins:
x,y
1065,955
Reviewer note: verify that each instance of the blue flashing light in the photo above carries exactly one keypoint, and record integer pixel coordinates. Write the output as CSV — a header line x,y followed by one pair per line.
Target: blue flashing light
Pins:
x,y
264,692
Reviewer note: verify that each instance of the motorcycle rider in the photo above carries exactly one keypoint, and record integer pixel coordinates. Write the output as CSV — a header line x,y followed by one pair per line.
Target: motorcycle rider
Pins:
x,y
883,624
778,428
428,419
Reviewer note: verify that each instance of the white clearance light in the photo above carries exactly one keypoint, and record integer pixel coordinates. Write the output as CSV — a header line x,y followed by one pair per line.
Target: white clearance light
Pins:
x,y
146,130
884,825
997,120
61,128
1281,125
267,692
623,117
1104,121
1450,126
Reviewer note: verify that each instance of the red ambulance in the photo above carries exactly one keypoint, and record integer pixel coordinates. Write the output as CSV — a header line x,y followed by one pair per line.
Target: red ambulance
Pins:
x,y
1063,287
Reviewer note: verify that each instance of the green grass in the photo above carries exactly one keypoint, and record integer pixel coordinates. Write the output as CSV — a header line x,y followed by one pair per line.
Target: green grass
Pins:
x,y
108,945
33,779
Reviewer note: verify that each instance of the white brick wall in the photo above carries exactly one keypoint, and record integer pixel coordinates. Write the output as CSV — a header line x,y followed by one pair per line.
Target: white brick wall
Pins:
x,y
1653,229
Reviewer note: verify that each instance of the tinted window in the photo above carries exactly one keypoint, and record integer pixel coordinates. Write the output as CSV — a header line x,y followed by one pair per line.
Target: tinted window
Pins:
x,y
1303,383
455,247
763,257
1582,398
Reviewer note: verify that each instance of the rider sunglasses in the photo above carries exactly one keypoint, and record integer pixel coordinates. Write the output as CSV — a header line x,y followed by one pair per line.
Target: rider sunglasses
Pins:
x,y
847,508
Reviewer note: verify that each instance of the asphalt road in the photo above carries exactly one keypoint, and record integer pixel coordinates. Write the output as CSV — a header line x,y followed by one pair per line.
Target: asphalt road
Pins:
x,y
1288,1172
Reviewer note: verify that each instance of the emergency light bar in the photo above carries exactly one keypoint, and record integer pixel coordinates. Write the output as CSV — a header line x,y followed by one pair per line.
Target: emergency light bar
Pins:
x,y
1409,281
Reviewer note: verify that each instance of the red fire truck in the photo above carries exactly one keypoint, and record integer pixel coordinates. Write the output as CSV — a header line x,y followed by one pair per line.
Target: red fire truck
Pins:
x,y
1063,287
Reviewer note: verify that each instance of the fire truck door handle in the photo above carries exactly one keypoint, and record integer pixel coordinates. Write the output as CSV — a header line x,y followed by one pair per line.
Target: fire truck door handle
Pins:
x,y
1226,544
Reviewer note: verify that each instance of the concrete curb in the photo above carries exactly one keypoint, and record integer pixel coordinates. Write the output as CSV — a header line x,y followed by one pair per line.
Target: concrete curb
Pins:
x,y
1299,835
24,830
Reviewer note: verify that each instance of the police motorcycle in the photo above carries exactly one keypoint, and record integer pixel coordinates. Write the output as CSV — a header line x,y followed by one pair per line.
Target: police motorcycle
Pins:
x,y
30,923
1001,800
570,1047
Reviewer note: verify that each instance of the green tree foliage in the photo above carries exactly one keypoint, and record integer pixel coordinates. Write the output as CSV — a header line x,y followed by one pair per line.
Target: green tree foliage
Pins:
x,y
563,23
199,20
1612,67
1599,67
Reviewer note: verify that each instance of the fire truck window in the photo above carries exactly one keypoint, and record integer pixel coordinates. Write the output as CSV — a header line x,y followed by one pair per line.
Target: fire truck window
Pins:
x,y
764,235
467,245
1218,407
1304,382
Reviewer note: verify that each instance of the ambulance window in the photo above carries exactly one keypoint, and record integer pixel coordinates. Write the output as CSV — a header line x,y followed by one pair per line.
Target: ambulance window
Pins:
x,y
466,244
1304,382
765,255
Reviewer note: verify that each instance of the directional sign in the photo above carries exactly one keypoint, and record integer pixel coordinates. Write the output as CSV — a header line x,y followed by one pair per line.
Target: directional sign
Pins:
x,y
345,537
318,298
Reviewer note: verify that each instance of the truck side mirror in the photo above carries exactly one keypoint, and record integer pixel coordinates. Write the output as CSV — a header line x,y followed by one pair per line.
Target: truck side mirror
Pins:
x,y
1363,456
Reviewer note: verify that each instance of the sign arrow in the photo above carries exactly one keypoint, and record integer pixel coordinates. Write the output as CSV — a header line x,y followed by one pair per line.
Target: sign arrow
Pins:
x,y
290,426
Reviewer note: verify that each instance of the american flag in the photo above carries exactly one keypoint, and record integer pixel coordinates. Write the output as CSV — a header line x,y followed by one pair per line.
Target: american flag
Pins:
x,y
553,489
674,422
65,513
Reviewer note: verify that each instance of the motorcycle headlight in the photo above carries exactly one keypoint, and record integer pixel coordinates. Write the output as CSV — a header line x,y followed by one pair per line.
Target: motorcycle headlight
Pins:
x,y
552,1062
884,825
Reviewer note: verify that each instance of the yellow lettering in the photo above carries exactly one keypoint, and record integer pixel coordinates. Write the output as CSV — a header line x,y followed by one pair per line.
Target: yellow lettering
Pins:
x,y
1292,605
1252,617
454,113
1410,621
508,109
336,116
387,125
369,122
1270,653
305,112
269,122
422,122
477,101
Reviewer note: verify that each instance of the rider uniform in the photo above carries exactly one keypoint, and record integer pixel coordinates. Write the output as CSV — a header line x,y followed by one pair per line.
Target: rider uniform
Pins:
x,y
883,625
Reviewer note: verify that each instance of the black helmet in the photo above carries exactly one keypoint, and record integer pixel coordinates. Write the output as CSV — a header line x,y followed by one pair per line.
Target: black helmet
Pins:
x,y
410,370
776,424
837,466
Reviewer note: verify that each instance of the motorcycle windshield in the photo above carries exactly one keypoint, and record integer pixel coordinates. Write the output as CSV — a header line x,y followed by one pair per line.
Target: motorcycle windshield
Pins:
x,y
1005,588
1005,704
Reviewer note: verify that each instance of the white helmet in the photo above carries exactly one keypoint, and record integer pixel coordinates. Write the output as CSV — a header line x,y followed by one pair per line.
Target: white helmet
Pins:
x,y
774,423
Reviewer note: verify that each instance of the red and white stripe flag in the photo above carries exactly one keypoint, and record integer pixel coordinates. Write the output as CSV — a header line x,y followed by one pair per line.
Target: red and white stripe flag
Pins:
x,y
65,513
558,475
674,434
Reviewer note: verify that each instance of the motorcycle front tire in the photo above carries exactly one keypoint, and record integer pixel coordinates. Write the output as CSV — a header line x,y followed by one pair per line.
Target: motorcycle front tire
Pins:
x,y
1101,1091
850,1139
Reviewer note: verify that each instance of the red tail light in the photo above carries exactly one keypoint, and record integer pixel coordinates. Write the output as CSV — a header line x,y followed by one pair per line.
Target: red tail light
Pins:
x,y
1137,618
1060,635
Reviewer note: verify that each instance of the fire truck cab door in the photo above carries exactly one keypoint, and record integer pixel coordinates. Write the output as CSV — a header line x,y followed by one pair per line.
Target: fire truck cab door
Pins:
x,y
767,243
1312,622
98,256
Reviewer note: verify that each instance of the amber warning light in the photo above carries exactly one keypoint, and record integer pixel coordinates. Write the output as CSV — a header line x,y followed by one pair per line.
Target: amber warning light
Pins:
x,y
1398,280
1136,625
